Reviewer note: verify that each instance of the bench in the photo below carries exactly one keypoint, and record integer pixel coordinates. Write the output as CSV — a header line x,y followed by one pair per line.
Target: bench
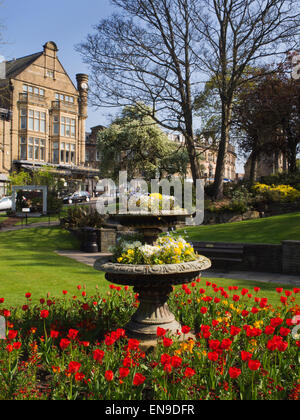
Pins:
x,y
220,251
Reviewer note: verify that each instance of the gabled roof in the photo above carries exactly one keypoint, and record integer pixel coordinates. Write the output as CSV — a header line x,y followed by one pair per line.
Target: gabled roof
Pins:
x,y
15,67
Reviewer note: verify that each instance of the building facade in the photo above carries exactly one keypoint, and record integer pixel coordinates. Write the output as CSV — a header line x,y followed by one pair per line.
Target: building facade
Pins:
x,y
208,154
267,164
92,154
43,117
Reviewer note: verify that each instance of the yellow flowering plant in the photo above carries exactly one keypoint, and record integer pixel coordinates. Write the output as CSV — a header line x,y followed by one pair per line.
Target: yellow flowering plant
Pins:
x,y
166,250
277,193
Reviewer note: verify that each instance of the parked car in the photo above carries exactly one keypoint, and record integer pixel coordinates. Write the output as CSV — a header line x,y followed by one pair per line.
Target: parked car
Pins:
x,y
5,203
78,197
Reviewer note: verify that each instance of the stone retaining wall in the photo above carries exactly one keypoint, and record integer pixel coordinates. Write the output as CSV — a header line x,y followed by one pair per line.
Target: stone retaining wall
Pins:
x,y
291,257
266,210
284,258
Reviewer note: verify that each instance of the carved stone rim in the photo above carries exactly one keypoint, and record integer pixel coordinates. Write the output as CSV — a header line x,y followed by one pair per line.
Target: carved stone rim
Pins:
x,y
202,263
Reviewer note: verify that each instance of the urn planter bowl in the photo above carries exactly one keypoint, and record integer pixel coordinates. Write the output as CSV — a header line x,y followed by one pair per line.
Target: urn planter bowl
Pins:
x,y
153,283
150,225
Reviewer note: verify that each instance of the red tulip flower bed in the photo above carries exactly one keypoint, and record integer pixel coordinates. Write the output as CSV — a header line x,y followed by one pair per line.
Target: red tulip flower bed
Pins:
x,y
73,348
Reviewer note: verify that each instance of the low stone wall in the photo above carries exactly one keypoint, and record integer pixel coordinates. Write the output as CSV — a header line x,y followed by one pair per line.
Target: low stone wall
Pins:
x,y
274,209
283,258
262,257
291,257
266,210
213,218
107,238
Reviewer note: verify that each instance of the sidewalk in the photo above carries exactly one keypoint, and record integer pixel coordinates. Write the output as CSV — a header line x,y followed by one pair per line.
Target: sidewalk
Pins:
x,y
84,257
89,259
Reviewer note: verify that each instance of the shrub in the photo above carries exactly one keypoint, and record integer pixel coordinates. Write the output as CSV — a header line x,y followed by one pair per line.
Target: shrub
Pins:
x,y
234,206
78,217
279,193
283,178
238,192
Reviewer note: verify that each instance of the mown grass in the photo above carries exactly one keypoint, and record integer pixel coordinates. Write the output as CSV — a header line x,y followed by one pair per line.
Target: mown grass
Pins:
x,y
270,230
28,263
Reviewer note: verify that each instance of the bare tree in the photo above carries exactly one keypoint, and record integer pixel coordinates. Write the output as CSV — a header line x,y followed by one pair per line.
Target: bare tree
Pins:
x,y
149,55
159,51
237,34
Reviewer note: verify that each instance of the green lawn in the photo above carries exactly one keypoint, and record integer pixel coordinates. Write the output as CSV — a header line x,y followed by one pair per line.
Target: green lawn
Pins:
x,y
28,263
270,230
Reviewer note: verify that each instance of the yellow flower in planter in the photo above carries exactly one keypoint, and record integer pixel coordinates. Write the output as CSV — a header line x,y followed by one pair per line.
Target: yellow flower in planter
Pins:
x,y
177,251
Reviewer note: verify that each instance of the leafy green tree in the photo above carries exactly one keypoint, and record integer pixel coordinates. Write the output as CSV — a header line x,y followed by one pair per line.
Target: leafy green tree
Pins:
x,y
20,178
134,142
42,177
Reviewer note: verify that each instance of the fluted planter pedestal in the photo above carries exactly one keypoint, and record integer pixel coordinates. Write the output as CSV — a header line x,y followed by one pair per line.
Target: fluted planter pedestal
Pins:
x,y
152,312
154,285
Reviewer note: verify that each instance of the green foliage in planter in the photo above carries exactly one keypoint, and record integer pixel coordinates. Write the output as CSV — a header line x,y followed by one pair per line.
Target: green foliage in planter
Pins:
x,y
79,217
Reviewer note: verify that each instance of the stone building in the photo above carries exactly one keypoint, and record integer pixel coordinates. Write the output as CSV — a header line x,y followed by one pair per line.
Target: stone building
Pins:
x,y
43,118
92,154
208,153
267,164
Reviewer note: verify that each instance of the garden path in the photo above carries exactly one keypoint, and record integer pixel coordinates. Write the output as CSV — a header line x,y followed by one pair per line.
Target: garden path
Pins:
x,y
89,259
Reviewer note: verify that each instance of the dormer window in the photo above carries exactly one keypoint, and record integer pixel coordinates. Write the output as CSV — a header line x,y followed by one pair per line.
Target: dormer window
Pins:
x,y
50,73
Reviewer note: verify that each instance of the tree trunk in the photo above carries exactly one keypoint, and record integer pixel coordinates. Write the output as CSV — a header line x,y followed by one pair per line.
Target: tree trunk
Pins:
x,y
292,155
253,168
191,148
222,153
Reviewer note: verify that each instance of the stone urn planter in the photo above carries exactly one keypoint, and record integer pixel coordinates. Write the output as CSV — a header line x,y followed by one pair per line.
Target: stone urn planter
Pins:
x,y
153,283
154,286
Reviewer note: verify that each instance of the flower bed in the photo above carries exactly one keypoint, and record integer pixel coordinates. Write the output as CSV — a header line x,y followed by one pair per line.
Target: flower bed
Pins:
x,y
71,347
166,250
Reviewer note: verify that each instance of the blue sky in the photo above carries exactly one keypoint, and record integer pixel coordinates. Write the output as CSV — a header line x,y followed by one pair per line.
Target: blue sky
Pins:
x,y
29,24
